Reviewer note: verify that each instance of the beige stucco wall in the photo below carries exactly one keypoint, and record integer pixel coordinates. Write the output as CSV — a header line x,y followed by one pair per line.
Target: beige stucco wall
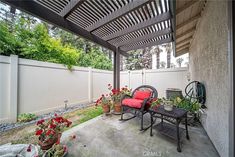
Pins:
x,y
209,64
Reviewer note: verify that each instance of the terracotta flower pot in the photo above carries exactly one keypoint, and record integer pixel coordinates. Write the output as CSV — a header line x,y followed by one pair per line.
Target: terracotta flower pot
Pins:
x,y
117,107
47,145
106,108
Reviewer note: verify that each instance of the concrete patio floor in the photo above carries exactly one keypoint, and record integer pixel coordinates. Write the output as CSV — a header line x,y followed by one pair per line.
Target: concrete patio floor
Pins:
x,y
106,136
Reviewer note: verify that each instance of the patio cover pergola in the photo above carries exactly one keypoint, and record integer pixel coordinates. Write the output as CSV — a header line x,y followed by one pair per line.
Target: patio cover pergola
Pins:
x,y
119,25
187,16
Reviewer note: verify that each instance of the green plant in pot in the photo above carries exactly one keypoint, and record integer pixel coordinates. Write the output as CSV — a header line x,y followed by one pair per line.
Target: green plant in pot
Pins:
x,y
191,106
116,95
57,150
105,102
156,102
49,132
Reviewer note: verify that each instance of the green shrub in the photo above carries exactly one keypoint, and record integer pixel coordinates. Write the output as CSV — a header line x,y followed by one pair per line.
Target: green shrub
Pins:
x,y
26,117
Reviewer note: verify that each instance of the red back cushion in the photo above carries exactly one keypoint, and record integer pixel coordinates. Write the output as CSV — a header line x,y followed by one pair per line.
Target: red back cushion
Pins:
x,y
142,94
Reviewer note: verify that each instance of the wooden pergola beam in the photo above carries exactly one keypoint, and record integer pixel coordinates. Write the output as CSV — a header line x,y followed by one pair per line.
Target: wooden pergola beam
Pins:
x,y
182,51
142,46
186,6
173,23
70,7
183,46
146,37
157,19
185,40
116,14
186,32
188,21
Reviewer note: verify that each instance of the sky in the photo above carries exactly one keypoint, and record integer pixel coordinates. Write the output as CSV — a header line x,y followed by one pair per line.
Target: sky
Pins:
x,y
163,57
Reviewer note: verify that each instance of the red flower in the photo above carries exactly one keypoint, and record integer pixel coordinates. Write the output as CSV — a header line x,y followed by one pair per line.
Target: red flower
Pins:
x,y
58,119
58,141
39,132
52,126
29,148
50,132
65,148
56,115
68,123
40,122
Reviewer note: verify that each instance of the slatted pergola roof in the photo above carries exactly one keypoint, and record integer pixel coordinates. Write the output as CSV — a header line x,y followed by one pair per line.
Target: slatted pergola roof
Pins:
x,y
119,25
188,14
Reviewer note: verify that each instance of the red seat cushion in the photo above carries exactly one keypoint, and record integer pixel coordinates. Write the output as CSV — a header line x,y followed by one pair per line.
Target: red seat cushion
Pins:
x,y
142,94
136,103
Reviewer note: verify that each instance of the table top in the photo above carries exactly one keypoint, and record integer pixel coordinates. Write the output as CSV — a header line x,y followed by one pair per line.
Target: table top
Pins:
x,y
175,113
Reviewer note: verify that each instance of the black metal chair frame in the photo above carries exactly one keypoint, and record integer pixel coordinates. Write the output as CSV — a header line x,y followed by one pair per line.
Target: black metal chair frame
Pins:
x,y
137,111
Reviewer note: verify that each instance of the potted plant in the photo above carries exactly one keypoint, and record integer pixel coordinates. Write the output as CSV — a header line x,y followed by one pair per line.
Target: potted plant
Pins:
x,y
191,106
49,132
116,95
57,150
105,102
156,102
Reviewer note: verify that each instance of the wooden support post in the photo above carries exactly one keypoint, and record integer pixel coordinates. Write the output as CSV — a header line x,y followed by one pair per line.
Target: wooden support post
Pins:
x,y
116,68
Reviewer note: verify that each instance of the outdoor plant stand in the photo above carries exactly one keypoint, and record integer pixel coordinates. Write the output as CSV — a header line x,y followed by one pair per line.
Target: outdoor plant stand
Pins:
x,y
171,129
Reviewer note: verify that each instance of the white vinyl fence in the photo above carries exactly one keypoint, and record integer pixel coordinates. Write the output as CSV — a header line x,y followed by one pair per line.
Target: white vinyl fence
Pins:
x,y
28,86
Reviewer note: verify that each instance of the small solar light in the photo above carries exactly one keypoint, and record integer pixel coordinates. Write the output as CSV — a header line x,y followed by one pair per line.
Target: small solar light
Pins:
x,y
66,104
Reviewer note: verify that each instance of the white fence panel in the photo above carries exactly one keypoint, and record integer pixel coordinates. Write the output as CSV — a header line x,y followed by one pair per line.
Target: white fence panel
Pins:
x,y
43,86
167,78
136,79
124,79
4,87
101,79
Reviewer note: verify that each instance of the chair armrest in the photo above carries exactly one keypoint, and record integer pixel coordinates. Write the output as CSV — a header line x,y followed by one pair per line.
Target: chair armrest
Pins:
x,y
144,103
125,96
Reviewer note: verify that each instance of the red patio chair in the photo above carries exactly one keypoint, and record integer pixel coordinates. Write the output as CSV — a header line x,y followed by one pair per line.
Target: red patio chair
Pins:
x,y
138,103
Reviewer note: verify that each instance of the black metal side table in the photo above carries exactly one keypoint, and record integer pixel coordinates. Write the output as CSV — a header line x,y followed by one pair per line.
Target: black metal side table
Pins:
x,y
174,117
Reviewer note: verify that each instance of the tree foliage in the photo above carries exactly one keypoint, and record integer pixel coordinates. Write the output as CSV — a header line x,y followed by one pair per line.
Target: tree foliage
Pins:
x,y
179,61
31,38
